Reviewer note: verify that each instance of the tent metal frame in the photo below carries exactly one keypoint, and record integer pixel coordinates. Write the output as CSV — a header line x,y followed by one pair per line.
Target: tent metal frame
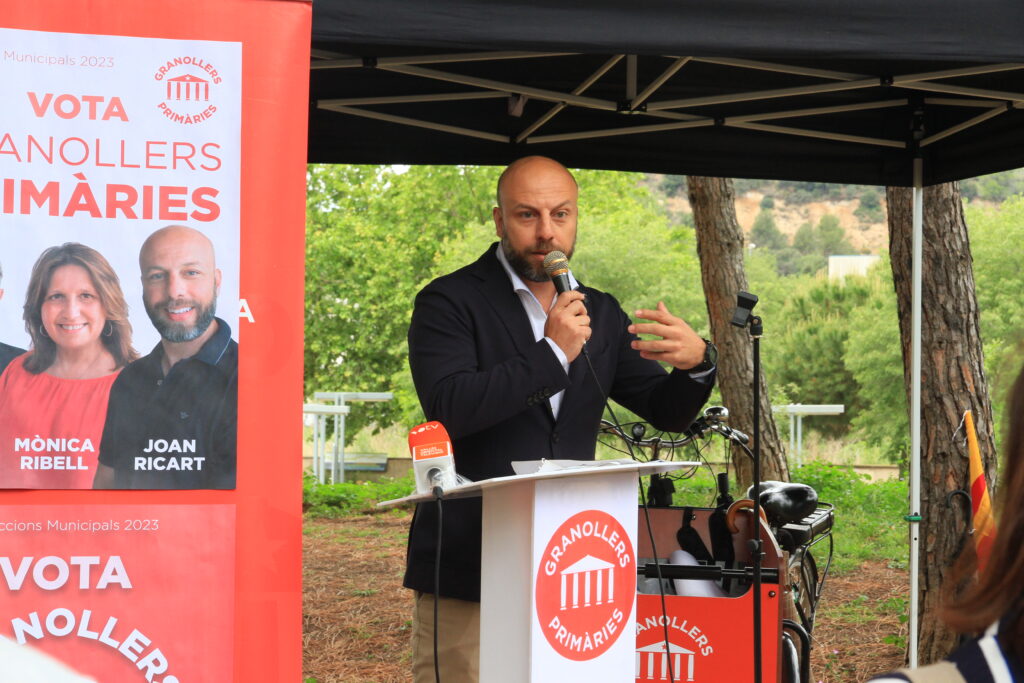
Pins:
x,y
995,101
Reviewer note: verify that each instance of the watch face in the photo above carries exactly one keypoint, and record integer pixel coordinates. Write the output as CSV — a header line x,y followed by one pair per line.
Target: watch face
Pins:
x,y
711,353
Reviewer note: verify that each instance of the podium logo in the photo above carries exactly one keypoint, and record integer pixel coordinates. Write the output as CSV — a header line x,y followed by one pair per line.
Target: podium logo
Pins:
x,y
187,87
689,642
654,663
586,584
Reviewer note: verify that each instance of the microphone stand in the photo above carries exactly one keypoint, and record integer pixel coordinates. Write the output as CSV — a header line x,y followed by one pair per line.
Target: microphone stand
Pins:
x,y
742,317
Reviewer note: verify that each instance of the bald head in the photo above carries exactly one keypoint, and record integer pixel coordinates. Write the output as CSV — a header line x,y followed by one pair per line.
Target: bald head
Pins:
x,y
539,168
180,282
177,237
536,214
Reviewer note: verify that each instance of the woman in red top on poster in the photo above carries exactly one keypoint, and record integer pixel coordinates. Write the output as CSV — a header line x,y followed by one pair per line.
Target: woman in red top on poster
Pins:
x,y
53,399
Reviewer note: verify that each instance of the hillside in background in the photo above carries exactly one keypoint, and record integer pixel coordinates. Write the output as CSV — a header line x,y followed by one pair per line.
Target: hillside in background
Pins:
x,y
860,209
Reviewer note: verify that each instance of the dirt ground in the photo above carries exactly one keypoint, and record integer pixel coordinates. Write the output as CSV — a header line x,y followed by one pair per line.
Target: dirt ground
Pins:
x,y
356,615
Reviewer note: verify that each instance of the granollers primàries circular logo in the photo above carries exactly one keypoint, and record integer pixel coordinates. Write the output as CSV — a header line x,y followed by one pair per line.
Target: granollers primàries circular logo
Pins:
x,y
187,86
586,585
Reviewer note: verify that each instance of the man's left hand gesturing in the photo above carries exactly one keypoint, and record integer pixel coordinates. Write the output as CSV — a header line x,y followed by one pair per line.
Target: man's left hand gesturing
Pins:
x,y
679,345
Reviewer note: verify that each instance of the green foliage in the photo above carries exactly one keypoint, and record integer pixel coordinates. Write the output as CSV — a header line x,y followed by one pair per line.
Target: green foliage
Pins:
x,y
809,256
996,234
765,234
626,248
373,237
811,245
870,208
869,516
698,490
872,356
897,605
346,498
674,185
809,353
767,202
840,343
798,192
997,187
806,240
832,237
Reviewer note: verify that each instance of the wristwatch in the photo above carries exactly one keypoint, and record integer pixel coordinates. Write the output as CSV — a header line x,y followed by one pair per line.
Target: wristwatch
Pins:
x,y
710,358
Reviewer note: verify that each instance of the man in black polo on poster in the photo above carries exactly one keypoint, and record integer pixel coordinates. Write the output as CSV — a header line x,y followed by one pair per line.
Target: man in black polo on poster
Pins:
x,y
495,355
172,418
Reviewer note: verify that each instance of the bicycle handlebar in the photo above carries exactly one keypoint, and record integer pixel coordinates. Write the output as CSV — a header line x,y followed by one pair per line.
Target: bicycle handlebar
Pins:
x,y
713,421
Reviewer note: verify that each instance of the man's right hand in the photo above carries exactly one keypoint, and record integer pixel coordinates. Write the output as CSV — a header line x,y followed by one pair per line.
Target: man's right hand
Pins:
x,y
568,324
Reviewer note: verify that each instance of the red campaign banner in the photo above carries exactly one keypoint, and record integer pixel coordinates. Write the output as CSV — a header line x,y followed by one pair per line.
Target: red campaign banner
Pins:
x,y
256,222
120,592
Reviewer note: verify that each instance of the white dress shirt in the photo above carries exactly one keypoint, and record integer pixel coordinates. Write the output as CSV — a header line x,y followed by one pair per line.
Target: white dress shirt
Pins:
x,y
538,318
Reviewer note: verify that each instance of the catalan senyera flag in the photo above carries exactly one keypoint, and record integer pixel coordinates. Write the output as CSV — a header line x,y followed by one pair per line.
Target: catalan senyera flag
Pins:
x,y
981,505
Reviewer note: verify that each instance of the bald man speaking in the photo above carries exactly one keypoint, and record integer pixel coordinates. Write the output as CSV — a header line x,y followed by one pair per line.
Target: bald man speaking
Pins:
x,y
496,356
172,418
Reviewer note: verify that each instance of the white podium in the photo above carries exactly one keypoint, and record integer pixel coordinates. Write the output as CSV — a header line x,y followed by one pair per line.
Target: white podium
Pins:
x,y
558,579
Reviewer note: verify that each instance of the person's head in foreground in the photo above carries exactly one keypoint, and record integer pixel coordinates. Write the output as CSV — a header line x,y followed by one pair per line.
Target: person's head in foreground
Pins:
x,y
999,593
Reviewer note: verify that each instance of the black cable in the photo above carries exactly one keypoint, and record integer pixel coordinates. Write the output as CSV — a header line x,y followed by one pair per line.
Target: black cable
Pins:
x,y
647,517
437,579
700,456
661,585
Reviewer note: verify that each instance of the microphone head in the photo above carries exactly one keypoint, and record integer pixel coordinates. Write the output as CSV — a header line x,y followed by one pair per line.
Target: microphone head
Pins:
x,y
429,440
556,263
432,463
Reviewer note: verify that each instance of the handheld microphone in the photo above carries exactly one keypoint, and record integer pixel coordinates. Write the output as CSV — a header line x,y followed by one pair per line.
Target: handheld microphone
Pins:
x,y
556,265
432,462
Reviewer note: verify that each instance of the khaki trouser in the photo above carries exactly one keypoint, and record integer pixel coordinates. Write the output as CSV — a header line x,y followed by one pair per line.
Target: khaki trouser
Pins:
x,y
458,642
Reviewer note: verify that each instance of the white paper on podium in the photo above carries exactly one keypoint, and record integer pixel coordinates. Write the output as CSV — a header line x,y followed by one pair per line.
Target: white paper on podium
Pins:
x,y
580,468
536,466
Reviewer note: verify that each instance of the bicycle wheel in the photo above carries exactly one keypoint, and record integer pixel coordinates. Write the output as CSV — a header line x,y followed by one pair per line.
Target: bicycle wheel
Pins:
x,y
803,576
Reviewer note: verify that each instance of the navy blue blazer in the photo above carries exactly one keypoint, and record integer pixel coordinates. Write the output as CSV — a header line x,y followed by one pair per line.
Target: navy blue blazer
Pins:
x,y
480,372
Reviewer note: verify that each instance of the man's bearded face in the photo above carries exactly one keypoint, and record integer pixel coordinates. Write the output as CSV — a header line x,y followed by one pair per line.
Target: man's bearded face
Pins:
x,y
196,317
527,268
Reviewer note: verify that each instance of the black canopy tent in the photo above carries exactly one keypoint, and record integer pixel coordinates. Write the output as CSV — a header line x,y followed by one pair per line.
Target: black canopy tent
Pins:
x,y
788,89
876,92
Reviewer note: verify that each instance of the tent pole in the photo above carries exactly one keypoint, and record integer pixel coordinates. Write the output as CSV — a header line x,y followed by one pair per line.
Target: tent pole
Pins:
x,y
915,408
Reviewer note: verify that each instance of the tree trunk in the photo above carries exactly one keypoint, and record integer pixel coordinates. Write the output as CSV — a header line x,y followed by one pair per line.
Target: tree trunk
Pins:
x,y
720,248
952,381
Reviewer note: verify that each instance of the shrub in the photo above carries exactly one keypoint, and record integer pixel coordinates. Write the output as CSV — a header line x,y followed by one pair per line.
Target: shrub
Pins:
x,y
347,498
869,522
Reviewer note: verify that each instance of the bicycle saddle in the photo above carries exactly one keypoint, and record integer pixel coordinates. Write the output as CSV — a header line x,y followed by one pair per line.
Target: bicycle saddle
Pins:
x,y
784,502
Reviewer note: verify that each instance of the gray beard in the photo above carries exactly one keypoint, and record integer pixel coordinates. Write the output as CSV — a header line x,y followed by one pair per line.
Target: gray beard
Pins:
x,y
521,266
177,333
